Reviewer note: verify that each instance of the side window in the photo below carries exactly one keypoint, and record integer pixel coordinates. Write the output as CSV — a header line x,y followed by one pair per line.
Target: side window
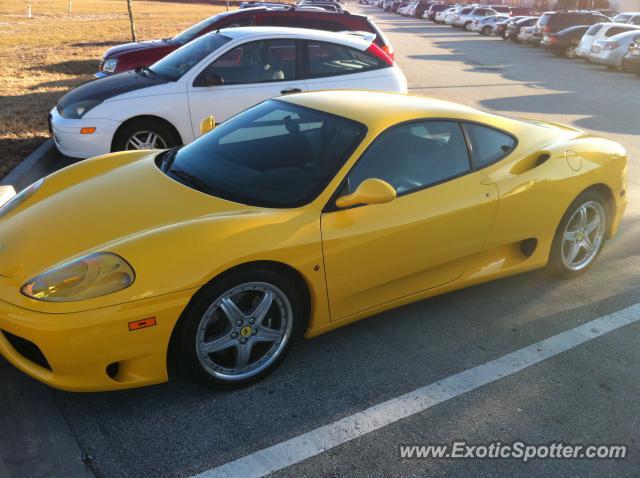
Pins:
x,y
413,156
487,144
615,31
256,62
330,59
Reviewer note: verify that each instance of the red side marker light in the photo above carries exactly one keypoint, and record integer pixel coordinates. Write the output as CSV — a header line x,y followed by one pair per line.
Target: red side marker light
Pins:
x,y
141,324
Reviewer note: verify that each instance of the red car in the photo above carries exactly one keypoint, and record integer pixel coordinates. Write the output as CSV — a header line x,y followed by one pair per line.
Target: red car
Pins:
x,y
135,55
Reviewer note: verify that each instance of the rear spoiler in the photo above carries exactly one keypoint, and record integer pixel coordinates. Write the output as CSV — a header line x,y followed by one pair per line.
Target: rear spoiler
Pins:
x,y
368,36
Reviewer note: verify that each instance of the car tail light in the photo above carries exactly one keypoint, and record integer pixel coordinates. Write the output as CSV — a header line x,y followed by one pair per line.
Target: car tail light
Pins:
x,y
612,45
376,51
389,51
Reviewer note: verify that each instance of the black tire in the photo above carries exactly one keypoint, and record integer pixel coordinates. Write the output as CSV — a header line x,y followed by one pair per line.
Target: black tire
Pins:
x,y
486,31
556,263
467,26
187,333
167,135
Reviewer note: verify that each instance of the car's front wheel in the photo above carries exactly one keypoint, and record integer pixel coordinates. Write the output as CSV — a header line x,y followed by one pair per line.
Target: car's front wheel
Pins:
x,y
486,31
580,235
144,134
240,328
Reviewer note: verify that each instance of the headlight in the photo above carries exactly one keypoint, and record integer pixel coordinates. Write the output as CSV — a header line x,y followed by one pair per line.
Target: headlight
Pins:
x,y
90,276
79,109
110,65
19,198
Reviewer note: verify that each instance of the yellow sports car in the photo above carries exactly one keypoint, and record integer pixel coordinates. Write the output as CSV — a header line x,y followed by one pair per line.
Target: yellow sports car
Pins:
x,y
297,216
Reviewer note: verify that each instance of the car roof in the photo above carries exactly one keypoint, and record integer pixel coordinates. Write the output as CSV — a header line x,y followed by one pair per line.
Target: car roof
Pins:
x,y
348,39
366,107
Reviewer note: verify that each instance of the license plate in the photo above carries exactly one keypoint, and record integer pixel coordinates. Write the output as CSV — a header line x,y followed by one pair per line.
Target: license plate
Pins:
x,y
635,52
595,49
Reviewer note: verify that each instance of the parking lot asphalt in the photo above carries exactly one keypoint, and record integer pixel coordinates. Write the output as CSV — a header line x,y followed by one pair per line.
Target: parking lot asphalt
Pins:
x,y
584,395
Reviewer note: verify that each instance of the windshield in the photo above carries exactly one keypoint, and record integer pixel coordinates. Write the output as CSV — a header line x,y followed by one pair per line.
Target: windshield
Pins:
x,y
275,154
190,33
173,66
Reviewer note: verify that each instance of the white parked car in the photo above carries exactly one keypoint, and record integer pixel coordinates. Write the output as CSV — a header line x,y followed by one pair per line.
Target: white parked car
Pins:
x,y
442,15
484,26
466,18
219,74
600,31
527,34
454,16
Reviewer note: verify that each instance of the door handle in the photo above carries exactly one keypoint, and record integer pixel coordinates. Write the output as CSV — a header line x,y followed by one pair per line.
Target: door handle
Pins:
x,y
288,91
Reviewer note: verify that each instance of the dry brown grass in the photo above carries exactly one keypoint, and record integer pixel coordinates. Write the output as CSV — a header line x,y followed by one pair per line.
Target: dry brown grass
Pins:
x,y
43,57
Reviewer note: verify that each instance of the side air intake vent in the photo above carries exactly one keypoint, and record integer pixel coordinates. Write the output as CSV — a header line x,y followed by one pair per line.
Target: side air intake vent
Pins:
x,y
528,246
541,159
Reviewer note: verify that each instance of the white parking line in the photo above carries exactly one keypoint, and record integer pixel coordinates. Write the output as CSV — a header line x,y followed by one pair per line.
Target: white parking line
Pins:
x,y
321,439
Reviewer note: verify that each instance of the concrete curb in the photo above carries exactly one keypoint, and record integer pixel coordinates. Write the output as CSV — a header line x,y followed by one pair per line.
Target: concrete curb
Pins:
x,y
33,167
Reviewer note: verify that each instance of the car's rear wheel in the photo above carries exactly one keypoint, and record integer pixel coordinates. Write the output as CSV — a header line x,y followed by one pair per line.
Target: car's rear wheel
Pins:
x,y
240,328
580,235
570,52
144,134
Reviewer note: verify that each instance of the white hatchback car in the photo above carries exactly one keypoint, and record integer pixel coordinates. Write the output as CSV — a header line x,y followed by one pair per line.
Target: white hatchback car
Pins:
x,y
600,31
219,74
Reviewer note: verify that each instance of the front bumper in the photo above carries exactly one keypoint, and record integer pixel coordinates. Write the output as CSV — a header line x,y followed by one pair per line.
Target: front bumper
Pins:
x,y
70,142
93,350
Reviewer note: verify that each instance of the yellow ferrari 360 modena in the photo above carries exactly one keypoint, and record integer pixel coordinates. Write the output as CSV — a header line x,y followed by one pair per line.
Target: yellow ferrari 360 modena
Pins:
x,y
297,216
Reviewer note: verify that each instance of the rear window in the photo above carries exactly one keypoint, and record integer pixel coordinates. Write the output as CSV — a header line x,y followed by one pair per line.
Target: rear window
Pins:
x,y
593,30
544,19
331,59
615,30
621,18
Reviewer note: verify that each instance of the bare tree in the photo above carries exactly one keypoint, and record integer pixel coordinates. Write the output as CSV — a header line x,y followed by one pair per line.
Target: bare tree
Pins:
x,y
132,21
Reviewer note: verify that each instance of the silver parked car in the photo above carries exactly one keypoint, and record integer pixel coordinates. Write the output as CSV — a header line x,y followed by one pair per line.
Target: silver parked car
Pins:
x,y
611,51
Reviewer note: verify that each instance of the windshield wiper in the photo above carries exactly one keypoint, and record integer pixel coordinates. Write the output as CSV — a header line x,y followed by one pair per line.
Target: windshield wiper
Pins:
x,y
168,40
190,179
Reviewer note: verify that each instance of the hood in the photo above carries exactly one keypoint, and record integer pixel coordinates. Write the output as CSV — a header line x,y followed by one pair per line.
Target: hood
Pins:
x,y
95,204
110,86
116,51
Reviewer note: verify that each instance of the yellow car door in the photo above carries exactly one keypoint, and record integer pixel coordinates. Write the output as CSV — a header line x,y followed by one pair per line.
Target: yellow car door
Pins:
x,y
442,214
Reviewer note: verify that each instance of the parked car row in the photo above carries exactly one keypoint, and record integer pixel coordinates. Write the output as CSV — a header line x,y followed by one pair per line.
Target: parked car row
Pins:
x,y
592,35
155,94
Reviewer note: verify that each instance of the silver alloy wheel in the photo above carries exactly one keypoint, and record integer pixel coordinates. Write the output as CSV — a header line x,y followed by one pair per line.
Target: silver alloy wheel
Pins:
x,y
583,235
244,331
146,140
571,52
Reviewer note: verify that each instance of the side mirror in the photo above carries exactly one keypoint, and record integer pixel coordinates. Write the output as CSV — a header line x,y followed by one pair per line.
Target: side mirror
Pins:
x,y
370,191
207,124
